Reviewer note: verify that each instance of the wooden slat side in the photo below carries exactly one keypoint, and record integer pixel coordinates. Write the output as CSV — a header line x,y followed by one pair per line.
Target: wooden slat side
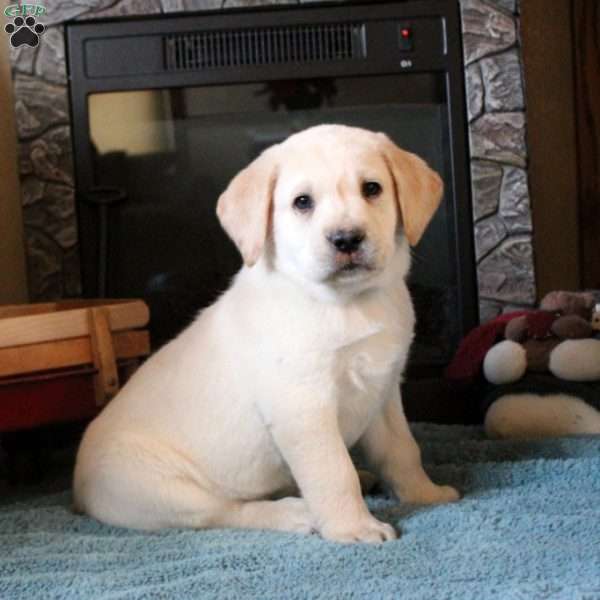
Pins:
x,y
20,310
68,324
68,353
106,381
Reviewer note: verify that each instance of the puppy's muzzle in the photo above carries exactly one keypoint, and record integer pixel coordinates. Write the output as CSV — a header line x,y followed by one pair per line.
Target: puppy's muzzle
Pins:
x,y
346,241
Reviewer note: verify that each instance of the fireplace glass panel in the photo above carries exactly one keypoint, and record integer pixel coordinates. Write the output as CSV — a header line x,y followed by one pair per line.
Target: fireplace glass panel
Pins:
x,y
173,151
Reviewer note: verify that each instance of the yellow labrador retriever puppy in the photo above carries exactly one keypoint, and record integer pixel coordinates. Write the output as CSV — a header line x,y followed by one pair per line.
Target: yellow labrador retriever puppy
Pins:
x,y
299,360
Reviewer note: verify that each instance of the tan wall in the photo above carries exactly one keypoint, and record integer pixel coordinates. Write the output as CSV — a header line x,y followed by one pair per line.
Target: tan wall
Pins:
x,y
551,137
13,281
133,122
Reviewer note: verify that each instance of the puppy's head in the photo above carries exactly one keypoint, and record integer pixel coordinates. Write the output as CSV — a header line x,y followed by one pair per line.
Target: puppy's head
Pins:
x,y
336,202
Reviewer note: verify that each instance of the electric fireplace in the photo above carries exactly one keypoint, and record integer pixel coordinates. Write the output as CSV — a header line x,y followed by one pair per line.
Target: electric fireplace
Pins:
x,y
165,110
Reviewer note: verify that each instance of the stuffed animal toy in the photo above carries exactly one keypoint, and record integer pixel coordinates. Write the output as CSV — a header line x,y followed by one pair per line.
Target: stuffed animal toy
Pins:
x,y
596,321
543,377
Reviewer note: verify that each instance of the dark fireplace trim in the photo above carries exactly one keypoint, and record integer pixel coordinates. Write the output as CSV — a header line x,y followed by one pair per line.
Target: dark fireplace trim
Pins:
x,y
79,34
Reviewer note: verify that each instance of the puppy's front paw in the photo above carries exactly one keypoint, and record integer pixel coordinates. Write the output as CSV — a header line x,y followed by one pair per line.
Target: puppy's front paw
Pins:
x,y
367,529
431,494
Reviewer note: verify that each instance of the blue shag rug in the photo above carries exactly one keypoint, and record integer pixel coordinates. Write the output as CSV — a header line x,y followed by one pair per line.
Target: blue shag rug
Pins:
x,y
528,527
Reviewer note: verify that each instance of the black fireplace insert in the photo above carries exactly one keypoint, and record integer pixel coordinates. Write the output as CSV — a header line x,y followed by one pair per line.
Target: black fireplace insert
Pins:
x,y
165,110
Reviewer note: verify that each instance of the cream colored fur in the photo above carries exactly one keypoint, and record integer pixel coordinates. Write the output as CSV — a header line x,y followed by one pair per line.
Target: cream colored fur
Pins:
x,y
299,360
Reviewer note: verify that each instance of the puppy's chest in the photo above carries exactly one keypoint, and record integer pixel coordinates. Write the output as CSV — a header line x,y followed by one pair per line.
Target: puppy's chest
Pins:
x,y
364,374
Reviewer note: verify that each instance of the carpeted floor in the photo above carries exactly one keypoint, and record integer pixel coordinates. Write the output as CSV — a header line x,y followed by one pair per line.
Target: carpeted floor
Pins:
x,y
527,528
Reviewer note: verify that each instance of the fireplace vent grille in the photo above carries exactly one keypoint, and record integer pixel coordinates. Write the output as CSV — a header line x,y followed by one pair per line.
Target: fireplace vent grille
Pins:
x,y
265,46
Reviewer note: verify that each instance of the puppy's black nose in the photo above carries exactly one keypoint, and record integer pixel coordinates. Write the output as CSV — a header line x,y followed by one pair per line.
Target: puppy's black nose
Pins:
x,y
346,240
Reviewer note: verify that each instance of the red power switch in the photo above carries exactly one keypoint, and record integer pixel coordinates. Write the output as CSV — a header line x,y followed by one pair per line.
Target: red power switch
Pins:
x,y
406,38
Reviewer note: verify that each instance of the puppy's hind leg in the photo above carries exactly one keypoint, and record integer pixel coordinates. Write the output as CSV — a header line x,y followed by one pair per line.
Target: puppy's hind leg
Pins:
x,y
139,488
286,514
182,503
189,506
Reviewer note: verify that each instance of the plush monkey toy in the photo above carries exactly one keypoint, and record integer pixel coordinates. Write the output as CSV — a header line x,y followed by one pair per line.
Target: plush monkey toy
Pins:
x,y
543,377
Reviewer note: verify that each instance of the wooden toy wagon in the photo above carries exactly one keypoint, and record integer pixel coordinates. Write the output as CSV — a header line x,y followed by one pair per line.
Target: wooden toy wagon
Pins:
x,y
63,361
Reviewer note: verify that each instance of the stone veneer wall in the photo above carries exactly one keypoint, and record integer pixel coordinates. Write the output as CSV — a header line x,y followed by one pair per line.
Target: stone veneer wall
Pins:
x,y
502,220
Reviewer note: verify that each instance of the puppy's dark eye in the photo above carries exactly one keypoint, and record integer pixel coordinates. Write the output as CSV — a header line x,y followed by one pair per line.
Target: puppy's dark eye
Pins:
x,y
371,189
303,203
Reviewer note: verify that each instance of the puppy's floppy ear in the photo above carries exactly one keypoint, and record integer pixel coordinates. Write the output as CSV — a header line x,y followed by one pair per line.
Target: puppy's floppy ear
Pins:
x,y
418,190
244,207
